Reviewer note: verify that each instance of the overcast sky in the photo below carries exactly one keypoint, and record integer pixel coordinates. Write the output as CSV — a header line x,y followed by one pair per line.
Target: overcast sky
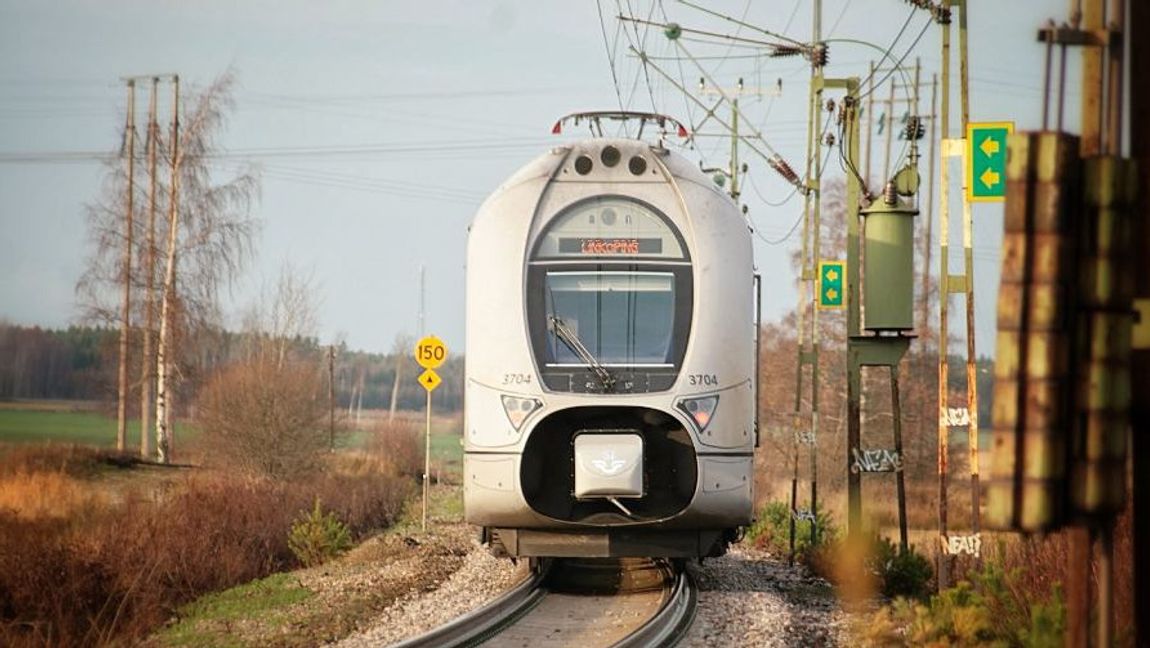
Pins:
x,y
443,99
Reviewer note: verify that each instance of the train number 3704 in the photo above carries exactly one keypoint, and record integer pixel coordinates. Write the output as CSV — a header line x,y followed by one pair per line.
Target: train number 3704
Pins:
x,y
706,380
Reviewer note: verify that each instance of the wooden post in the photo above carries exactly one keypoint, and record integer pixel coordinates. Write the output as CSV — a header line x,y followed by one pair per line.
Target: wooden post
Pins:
x,y
1136,35
331,398
943,570
126,273
426,459
900,473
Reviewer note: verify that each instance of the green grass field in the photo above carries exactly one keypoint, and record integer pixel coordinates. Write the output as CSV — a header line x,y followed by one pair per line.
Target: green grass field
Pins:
x,y
87,428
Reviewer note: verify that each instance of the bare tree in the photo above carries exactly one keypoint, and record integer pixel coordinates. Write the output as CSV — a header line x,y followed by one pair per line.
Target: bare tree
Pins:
x,y
282,316
208,238
209,234
265,414
401,349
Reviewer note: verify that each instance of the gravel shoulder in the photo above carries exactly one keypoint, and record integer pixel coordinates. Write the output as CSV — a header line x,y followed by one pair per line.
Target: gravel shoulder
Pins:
x,y
751,598
403,583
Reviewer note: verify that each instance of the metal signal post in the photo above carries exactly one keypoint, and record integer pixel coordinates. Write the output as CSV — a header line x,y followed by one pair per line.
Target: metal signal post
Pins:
x,y
430,352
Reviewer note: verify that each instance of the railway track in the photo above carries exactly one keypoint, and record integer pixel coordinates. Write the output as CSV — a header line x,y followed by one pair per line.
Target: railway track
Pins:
x,y
623,604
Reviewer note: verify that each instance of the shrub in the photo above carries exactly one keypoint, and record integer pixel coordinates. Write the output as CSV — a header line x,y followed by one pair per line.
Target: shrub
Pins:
x,y
125,567
772,529
977,612
265,418
317,537
901,573
65,459
399,444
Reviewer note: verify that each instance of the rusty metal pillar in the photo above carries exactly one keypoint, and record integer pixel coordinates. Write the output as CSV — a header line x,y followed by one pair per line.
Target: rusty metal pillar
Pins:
x,y
1138,31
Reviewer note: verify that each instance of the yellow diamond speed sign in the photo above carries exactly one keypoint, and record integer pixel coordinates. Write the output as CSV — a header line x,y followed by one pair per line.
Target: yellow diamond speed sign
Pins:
x,y
430,380
430,352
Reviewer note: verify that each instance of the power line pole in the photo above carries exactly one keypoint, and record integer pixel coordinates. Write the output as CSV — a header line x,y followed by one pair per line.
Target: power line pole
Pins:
x,y
147,364
331,397
808,278
126,273
1136,35
422,300
869,119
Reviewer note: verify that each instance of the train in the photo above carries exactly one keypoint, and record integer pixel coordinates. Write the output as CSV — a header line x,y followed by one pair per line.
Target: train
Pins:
x,y
611,333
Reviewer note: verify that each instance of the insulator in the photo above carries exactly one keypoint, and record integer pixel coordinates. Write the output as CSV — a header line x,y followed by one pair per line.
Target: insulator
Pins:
x,y
818,55
914,129
782,168
829,140
890,194
673,31
780,51
830,105
941,15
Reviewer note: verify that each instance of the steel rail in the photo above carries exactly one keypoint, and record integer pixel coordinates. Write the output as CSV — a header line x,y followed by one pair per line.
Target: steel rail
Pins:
x,y
670,624
482,623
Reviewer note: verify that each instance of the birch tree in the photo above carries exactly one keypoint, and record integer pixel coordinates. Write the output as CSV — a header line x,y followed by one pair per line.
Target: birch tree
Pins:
x,y
206,236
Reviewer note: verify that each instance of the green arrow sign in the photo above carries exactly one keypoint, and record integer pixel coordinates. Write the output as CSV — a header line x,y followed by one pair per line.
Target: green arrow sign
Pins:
x,y
986,160
832,284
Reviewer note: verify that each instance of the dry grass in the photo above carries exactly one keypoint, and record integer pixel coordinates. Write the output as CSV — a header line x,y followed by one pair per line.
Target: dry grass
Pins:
x,y
399,444
123,567
48,495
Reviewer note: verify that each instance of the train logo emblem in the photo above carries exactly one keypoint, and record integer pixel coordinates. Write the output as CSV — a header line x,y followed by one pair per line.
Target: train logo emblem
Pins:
x,y
609,464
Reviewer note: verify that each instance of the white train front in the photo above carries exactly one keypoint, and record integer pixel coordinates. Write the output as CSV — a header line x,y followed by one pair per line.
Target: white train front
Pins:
x,y
610,387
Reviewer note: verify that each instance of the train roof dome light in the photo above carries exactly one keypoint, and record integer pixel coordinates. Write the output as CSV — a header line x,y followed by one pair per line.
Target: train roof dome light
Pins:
x,y
594,119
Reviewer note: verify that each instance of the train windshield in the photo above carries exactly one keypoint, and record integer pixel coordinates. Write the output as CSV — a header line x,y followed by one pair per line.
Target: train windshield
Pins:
x,y
619,318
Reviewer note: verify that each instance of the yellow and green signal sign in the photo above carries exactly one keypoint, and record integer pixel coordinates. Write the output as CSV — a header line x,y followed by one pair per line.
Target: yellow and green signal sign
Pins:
x,y
832,284
986,160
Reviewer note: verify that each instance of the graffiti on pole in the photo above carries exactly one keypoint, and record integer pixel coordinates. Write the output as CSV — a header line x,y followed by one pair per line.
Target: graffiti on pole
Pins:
x,y
805,437
955,416
875,461
956,545
801,515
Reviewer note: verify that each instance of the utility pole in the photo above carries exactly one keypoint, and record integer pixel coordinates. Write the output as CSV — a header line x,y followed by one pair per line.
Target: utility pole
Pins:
x,y
422,299
869,119
943,568
147,364
1136,35
927,242
331,397
164,348
808,279
888,128
955,284
734,168
126,272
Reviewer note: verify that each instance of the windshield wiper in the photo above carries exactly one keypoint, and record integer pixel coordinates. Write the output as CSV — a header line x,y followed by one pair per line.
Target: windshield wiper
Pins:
x,y
569,338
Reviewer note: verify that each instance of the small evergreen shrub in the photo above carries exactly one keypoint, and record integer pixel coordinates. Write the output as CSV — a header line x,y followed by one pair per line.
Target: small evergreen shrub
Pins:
x,y
317,537
983,611
901,573
772,531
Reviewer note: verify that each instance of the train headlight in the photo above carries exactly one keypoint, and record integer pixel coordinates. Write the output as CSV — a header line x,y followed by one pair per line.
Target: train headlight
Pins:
x,y
518,409
701,410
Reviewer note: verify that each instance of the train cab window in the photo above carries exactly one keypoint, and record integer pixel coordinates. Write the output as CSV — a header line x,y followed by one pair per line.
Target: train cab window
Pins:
x,y
609,296
622,318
